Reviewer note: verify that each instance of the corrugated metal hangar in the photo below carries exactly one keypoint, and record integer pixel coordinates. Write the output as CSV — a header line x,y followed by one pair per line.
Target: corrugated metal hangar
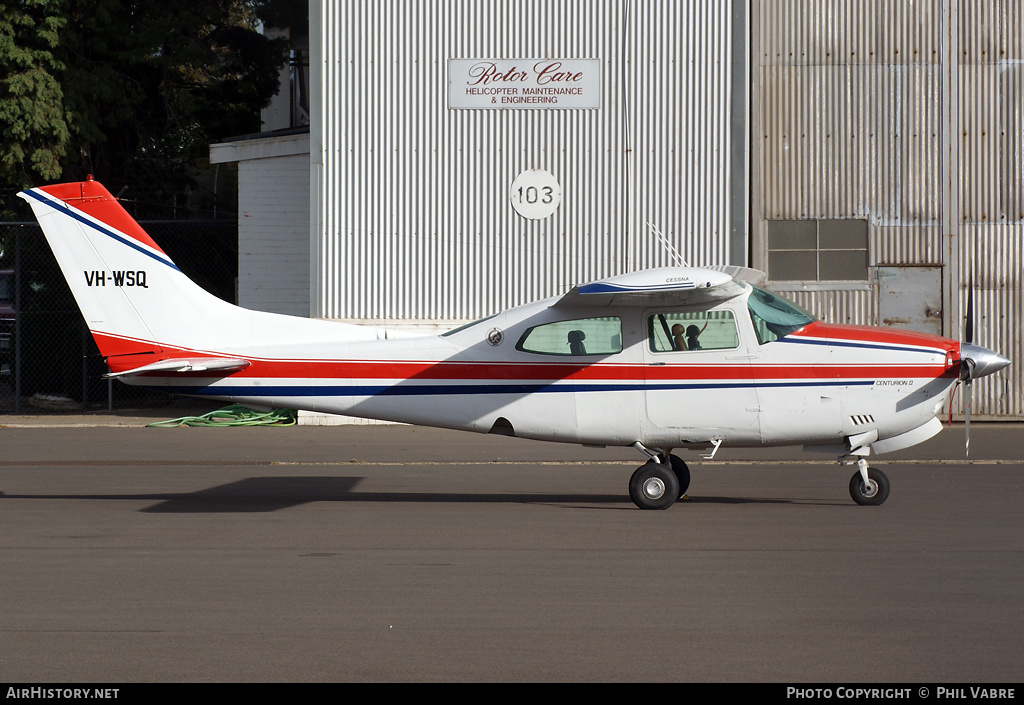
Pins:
x,y
464,157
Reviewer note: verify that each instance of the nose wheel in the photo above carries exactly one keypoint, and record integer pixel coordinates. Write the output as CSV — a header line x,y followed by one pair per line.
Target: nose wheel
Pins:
x,y
869,486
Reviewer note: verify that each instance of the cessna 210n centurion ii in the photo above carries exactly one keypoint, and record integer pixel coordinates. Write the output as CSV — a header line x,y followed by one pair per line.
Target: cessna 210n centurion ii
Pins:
x,y
664,359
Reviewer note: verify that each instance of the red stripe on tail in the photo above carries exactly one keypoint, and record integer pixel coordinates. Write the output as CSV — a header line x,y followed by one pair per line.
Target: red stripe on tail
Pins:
x,y
93,199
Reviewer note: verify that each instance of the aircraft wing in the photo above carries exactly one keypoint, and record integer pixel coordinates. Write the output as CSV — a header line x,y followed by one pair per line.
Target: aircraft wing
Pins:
x,y
195,364
743,274
665,285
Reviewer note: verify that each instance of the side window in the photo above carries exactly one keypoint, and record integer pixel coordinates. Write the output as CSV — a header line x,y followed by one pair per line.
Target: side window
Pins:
x,y
698,330
583,336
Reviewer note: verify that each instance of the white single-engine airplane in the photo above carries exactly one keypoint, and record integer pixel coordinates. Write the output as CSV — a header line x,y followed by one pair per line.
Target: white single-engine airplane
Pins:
x,y
688,358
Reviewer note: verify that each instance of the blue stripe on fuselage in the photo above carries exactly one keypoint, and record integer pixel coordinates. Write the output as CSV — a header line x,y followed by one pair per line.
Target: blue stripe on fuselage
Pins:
x,y
479,389
870,346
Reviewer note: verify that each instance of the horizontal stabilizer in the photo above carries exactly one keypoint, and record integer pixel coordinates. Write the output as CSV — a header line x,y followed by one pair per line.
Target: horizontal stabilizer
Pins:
x,y
195,364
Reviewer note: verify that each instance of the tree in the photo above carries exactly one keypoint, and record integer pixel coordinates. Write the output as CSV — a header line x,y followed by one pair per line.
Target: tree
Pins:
x,y
132,92
34,134
173,76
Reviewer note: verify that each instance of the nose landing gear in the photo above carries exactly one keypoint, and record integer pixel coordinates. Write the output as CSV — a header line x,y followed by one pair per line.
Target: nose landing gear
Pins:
x,y
868,486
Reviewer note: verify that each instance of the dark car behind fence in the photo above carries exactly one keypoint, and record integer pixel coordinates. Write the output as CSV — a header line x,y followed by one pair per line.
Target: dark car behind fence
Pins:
x,y
48,360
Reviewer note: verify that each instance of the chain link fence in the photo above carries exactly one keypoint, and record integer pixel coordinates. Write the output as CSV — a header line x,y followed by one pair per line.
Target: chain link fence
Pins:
x,y
48,360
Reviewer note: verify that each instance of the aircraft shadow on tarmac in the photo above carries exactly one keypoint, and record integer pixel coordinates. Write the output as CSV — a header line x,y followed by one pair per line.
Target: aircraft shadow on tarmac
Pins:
x,y
268,494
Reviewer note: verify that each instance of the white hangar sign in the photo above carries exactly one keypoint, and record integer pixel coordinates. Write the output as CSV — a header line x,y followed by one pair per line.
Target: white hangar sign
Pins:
x,y
524,83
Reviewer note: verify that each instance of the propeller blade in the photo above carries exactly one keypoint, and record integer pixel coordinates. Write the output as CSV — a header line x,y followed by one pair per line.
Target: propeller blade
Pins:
x,y
967,420
969,323
967,375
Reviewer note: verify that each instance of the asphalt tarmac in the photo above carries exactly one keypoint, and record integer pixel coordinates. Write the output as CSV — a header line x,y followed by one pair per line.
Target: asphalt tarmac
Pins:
x,y
390,553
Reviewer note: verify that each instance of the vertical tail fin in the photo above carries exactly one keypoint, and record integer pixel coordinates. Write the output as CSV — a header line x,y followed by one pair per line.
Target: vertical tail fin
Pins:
x,y
134,298
119,277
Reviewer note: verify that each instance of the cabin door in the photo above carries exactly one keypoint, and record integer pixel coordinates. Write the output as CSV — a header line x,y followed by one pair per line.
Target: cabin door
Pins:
x,y
698,380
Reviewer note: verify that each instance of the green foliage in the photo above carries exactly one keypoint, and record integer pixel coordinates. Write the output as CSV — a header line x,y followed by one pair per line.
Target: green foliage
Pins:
x,y
130,91
34,134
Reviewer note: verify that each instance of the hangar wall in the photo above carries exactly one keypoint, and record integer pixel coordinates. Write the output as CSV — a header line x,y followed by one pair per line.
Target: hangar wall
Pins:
x,y
411,195
276,246
888,150
273,215
886,133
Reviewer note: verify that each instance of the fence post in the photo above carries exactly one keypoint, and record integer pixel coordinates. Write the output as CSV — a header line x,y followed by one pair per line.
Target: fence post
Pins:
x,y
85,366
17,320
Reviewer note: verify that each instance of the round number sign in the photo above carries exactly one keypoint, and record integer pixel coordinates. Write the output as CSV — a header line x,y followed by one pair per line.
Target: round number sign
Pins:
x,y
535,194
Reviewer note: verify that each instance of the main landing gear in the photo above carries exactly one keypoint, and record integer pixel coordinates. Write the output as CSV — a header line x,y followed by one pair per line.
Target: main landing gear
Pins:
x,y
663,479
868,486
659,482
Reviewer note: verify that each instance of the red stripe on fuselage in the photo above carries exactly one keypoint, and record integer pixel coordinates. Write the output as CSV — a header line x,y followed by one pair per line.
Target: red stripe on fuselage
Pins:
x,y
878,336
489,371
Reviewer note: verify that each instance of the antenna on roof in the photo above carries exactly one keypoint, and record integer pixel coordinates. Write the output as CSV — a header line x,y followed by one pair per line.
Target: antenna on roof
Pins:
x,y
667,245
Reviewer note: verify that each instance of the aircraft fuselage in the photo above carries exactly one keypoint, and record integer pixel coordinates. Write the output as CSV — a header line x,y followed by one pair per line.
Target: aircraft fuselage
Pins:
x,y
816,385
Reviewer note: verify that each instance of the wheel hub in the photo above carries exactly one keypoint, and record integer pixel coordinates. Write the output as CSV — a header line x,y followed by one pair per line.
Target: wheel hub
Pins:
x,y
654,487
869,489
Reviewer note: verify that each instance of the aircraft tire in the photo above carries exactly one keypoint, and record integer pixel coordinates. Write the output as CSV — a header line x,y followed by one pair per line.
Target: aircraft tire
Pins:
x,y
654,486
682,473
873,494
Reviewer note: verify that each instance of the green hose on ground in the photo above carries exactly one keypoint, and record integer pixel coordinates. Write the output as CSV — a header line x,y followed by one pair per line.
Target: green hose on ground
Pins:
x,y
234,415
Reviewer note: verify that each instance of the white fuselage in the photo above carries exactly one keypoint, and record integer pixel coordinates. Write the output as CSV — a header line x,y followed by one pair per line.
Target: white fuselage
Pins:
x,y
817,386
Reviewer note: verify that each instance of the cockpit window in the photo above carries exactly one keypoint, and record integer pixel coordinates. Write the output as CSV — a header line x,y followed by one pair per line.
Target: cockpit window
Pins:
x,y
582,336
774,317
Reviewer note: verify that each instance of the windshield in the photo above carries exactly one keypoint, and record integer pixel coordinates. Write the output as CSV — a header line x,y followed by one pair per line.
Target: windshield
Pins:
x,y
774,317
